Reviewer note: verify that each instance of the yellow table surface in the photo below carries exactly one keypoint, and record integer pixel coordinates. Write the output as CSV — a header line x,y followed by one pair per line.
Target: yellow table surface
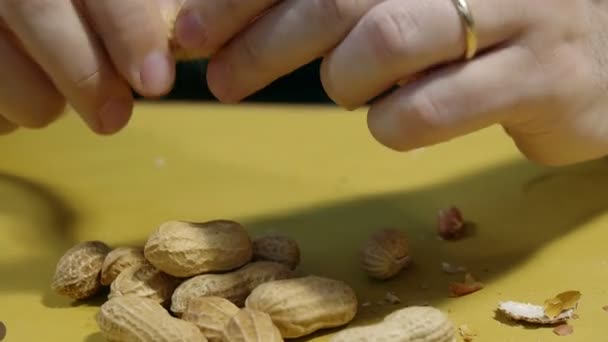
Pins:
x,y
315,174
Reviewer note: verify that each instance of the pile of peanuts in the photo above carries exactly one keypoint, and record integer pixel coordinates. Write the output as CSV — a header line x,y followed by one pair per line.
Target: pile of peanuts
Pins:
x,y
212,281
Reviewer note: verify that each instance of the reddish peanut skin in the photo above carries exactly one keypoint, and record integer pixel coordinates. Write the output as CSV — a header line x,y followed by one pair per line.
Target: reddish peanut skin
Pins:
x,y
186,249
450,225
78,271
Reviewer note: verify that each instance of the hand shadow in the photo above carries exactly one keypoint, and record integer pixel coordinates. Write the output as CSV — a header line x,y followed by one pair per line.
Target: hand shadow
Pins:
x,y
516,206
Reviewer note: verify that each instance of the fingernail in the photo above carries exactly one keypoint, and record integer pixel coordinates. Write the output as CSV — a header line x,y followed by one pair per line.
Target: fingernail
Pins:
x,y
155,74
114,115
219,80
189,30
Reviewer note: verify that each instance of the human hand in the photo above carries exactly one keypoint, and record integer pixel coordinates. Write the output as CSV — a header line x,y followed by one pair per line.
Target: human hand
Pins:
x,y
540,70
87,53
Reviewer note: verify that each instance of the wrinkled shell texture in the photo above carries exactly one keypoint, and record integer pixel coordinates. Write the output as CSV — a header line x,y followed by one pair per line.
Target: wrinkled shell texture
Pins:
x,y
277,248
210,315
144,281
385,254
411,324
118,260
184,249
251,326
234,286
135,319
301,306
78,271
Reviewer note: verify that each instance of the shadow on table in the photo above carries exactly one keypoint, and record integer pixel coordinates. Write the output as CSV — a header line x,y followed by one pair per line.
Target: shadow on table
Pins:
x,y
517,207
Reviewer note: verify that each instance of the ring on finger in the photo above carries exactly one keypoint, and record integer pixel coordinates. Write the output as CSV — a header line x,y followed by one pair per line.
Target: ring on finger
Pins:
x,y
469,26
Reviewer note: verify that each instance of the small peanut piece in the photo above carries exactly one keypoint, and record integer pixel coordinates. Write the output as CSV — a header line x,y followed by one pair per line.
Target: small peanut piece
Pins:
x,y
144,280
251,326
118,260
451,224
277,248
301,306
234,286
210,315
78,271
185,249
131,318
411,324
385,254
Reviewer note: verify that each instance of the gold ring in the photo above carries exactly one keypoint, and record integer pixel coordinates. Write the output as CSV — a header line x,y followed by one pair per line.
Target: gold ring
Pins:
x,y
469,27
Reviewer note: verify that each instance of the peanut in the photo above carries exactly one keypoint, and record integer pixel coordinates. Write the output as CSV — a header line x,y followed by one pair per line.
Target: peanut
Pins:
x,y
170,10
277,248
78,271
136,319
301,306
185,249
234,286
118,260
411,324
210,315
251,326
144,280
385,254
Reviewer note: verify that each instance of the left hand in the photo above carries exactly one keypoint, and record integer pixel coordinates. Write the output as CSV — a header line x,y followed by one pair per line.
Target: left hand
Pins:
x,y
539,70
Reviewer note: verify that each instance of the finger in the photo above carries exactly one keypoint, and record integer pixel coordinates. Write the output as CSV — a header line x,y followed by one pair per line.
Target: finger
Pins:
x,y
6,126
455,100
135,35
27,96
205,25
398,39
290,35
58,39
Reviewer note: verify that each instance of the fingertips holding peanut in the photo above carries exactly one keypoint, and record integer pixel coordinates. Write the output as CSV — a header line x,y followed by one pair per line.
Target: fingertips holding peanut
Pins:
x,y
301,306
134,318
411,324
234,286
277,248
77,274
118,260
210,315
186,249
385,254
251,326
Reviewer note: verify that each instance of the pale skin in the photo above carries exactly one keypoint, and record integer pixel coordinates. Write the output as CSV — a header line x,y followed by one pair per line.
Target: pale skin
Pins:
x,y
541,71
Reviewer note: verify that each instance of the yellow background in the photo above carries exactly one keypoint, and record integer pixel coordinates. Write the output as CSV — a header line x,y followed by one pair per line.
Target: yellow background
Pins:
x,y
313,173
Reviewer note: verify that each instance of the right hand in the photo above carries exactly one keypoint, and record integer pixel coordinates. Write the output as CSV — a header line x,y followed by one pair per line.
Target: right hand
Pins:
x,y
86,53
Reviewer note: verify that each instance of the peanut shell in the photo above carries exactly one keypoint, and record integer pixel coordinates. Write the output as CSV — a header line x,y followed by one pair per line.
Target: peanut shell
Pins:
x,y
185,249
277,248
251,326
118,260
411,324
301,306
78,271
131,318
385,254
210,315
144,280
234,286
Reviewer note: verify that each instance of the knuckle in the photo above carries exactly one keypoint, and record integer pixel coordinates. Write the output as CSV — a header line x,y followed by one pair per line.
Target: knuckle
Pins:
x,y
391,33
252,52
334,12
